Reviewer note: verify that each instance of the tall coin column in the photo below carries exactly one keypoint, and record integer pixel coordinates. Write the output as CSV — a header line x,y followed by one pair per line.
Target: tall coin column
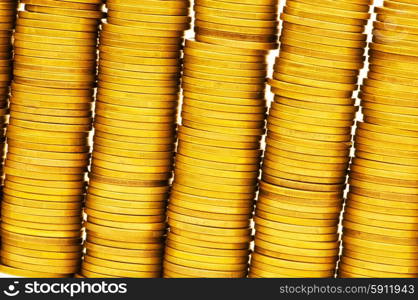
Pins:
x,y
380,236
135,135
8,11
309,138
218,157
48,149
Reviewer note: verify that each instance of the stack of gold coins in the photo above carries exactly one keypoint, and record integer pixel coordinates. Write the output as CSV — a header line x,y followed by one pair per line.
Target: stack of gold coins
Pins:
x,y
249,24
217,161
218,156
380,236
48,148
309,138
135,134
8,10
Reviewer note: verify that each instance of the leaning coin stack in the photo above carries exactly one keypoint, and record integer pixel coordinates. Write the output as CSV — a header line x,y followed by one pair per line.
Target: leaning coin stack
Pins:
x,y
309,138
217,162
218,155
248,24
8,10
380,237
48,149
135,134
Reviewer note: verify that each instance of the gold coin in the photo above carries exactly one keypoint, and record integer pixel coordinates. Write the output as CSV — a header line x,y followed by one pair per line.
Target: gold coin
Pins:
x,y
304,269
370,273
236,255
116,244
41,232
22,272
179,238
201,273
206,219
213,266
119,272
126,259
240,6
131,253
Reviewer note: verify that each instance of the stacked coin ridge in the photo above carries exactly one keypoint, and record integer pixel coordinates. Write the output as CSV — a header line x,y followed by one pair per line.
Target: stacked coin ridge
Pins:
x,y
381,217
135,134
48,147
309,138
8,10
218,156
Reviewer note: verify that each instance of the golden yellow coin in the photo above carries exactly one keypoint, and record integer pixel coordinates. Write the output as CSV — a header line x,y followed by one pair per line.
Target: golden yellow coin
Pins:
x,y
125,259
41,232
210,260
295,228
89,274
307,259
134,253
335,11
377,266
304,269
195,48
214,266
403,263
401,257
236,254
40,226
201,273
231,40
93,215
211,201
72,214
371,273
121,265
22,272
38,204
115,243
179,238
372,229
19,150
124,234
23,170
198,191
179,28
319,58
118,272
204,220
234,242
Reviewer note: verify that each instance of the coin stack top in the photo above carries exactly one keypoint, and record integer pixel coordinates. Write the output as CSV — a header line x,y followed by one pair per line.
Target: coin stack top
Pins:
x,y
135,135
381,218
309,138
48,148
218,156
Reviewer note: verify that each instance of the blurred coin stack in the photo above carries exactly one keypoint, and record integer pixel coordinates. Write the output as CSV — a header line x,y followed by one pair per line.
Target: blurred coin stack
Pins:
x,y
218,155
380,236
135,135
309,138
8,10
48,149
